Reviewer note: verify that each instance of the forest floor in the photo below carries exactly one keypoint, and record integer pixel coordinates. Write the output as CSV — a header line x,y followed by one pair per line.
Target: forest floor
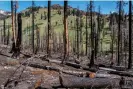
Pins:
x,y
37,71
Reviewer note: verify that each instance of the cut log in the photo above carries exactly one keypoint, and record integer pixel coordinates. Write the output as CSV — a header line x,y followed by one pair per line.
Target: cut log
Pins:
x,y
78,82
35,65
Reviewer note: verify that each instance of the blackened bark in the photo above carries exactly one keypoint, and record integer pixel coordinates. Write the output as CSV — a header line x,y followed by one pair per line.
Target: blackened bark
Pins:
x,y
49,28
8,35
19,37
4,31
92,37
1,36
97,34
119,30
130,36
77,23
33,26
86,32
66,41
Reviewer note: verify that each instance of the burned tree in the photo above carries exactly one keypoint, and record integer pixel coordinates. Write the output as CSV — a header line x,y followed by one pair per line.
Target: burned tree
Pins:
x,y
92,35
77,23
66,53
4,32
8,35
130,36
81,35
111,26
87,29
120,19
49,30
13,30
97,32
33,26
19,35
38,39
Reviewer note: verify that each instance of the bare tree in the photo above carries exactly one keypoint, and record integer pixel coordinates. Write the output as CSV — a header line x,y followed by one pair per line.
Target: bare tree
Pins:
x,y
92,35
130,35
8,35
4,31
13,30
97,32
49,29
33,26
66,45
87,30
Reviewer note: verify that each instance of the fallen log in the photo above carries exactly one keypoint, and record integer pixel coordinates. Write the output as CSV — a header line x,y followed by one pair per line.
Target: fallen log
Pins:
x,y
98,75
78,66
73,65
80,82
58,69
119,68
106,69
121,73
80,73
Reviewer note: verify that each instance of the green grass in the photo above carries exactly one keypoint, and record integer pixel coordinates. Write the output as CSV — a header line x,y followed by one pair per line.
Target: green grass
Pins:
x,y
58,29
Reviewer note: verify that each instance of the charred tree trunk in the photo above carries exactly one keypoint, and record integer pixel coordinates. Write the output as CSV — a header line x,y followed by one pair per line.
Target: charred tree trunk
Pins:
x,y
37,40
66,53
1,36
33,26
19,35
49,29
81,39
8,35
86,32
119,30
97,34
92,37
4,32
130,36
77,23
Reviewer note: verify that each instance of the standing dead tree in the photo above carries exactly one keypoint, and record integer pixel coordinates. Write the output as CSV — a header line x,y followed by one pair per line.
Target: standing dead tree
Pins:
x,y
87,29
4,31
49,30
19,35
14,39
1,36
119,40
97,33
111,26
119,28
92,35
8,34
119,31
77,23
37,39
33,26
81,33
66,45
130,36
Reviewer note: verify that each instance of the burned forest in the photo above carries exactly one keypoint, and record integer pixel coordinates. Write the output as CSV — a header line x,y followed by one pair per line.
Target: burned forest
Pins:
x,y
66,44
